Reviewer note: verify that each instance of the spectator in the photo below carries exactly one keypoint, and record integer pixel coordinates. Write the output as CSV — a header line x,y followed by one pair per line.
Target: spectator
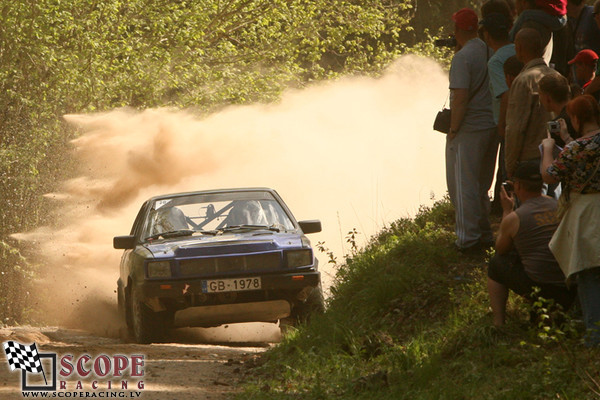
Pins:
x,y
583,27
554,94
501,7
576,90
526,119
512,7
512,68
576,244
549,18
594,87
523,259
494,28
471,144
585,63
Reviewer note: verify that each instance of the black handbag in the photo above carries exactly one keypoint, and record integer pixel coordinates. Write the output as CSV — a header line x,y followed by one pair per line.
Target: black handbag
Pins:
x,y
442,121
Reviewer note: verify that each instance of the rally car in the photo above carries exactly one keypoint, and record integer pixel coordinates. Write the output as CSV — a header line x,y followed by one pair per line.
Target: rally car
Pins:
x,y
215,257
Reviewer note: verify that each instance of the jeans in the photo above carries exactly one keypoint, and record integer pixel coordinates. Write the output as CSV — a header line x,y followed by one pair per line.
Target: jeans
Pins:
x,y
588,283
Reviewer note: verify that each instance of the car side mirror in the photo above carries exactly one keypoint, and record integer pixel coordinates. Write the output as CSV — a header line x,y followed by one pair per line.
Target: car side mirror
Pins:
x,y
124,242
311,226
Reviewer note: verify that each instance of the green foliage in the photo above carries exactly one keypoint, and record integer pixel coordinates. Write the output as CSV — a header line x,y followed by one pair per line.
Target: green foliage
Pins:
x,y
409,319
16,275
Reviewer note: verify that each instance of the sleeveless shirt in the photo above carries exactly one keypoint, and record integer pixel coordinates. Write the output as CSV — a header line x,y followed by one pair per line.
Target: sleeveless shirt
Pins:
x,y
537,223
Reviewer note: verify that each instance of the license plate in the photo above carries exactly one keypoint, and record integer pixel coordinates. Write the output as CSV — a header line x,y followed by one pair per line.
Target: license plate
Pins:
x,y
231,285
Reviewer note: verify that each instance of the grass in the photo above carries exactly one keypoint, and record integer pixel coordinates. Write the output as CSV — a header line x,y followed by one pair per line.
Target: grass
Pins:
x,y
409,319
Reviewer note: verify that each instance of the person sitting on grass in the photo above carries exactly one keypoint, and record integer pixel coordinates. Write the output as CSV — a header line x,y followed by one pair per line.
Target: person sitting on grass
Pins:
x,y
523,260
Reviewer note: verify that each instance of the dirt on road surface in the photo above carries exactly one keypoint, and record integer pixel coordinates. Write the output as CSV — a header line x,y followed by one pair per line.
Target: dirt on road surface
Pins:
x,y
187,367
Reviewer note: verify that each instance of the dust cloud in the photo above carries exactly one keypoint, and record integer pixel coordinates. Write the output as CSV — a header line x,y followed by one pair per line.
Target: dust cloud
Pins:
x,y
357,152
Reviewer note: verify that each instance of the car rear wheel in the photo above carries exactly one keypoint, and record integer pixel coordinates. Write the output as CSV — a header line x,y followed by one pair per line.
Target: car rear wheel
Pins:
x,y
146,326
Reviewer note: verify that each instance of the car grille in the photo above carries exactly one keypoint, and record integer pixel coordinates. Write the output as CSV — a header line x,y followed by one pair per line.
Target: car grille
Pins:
x,y
215,265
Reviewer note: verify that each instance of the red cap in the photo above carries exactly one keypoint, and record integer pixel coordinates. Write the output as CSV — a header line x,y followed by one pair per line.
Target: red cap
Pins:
x,y
585,56
557,8
465,19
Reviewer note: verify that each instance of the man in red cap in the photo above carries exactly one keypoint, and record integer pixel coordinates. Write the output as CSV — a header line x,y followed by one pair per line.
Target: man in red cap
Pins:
x,y
585,67
594,87
472,143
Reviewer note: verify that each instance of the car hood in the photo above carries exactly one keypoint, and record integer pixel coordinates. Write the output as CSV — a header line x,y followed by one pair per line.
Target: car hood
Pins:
x,y
251,242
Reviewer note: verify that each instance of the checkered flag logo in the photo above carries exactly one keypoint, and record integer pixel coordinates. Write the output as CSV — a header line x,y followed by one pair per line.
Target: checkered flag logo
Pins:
x,y
23,357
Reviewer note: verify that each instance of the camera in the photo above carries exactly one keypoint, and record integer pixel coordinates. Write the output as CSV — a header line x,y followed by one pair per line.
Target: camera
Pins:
x,y
508,187
448,42
554,127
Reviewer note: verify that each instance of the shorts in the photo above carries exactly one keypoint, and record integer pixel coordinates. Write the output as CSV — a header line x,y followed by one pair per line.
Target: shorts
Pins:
x,y
508,270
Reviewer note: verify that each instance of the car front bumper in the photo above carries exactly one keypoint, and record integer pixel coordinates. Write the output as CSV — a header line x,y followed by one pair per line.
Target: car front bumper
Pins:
x,y
170,288
191,307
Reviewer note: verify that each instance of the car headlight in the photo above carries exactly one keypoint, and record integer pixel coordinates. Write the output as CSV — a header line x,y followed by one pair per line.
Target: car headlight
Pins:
x,y
299,258
159,269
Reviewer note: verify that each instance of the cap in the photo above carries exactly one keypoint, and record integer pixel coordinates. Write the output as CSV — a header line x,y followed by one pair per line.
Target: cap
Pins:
x,y
465,19
528,171
585,56
496,21
556,8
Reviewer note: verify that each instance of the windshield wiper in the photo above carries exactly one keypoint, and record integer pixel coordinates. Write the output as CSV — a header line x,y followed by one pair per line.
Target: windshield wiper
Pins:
x,y
171,234
213,233
181,232
249,228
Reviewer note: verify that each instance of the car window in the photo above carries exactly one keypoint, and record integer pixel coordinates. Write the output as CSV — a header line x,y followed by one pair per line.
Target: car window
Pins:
x,y
216,211
167,219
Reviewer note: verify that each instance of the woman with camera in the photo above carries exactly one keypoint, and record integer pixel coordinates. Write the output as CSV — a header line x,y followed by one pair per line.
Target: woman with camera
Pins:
x,y
576,243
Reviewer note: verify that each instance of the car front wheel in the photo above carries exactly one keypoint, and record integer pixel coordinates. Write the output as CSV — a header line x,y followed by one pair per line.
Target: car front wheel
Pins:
x,y
314,304
146,326
302,312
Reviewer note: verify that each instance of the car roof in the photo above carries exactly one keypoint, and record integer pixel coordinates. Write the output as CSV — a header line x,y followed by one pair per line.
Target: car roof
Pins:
x,y
232,190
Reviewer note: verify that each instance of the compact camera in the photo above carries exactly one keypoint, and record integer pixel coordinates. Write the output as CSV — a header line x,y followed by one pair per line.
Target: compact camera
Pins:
x,y
508,187
554,127
448,42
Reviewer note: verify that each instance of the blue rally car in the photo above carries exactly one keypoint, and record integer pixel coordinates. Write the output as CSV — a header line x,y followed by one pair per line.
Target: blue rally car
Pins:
x,y
208,258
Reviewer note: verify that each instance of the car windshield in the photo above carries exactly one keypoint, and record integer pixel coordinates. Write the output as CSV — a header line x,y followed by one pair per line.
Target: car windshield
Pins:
x,y
216,212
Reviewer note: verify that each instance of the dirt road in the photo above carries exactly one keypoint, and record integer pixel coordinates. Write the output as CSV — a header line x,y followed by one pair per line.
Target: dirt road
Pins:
x,y
185,368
